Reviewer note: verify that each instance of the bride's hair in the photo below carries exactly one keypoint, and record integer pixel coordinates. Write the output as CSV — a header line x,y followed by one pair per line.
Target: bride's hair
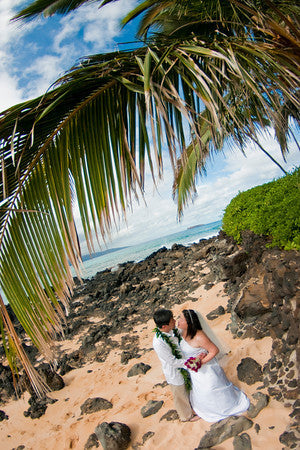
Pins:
x,y
192,321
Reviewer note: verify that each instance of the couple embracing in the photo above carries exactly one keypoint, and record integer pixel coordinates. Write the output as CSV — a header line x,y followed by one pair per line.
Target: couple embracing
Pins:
x,y
199,385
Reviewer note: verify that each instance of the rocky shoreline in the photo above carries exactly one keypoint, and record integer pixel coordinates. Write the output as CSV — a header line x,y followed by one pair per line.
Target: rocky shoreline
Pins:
x,y
263,289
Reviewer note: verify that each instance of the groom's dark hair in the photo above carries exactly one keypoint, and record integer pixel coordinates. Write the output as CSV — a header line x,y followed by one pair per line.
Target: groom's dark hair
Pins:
x,y
162,317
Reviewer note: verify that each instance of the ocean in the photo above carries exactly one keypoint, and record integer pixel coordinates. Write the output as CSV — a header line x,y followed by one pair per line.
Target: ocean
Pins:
x,y
110,259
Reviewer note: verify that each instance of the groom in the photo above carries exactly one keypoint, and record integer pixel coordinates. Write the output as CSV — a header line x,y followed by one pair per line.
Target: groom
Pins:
x,y
171,365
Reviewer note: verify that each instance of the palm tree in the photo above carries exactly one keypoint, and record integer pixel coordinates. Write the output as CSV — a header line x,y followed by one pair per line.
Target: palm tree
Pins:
x,y
208,71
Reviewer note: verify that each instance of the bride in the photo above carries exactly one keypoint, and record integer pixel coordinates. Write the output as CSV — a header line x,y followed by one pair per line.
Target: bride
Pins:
x,y
213,397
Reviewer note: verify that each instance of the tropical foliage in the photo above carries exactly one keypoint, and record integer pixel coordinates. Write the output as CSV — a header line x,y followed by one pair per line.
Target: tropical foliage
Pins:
x,y
208,72
272,209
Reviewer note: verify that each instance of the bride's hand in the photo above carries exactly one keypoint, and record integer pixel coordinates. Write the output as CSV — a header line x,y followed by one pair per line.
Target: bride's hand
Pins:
x,y
195,362
201,340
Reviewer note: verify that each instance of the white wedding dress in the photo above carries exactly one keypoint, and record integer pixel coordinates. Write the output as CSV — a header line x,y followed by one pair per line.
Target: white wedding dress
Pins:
x,y
213,397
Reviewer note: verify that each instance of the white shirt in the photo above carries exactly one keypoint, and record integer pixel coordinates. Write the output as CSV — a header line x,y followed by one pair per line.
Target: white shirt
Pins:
x,y
170,364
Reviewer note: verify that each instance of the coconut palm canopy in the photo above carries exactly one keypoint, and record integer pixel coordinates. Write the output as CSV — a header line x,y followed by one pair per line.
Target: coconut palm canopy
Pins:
x,y
208,71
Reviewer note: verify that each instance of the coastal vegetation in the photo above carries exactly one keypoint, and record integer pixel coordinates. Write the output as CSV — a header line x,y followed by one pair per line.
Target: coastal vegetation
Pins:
x,y
272,209
206,73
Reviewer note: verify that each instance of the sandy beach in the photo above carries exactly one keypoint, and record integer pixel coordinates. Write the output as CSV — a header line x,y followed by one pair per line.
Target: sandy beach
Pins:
x,y
64,427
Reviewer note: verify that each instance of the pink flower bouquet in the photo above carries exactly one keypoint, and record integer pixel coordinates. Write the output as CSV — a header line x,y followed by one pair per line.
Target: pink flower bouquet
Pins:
x,y
195,362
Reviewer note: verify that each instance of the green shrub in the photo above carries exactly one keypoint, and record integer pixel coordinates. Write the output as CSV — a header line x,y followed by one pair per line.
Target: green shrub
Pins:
x,y
272,209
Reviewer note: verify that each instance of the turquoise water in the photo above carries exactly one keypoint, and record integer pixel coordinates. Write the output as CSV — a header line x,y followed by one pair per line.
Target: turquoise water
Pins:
x,y
141,251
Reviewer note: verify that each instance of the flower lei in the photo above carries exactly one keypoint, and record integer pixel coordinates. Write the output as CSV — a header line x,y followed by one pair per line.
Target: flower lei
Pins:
x,y
176,353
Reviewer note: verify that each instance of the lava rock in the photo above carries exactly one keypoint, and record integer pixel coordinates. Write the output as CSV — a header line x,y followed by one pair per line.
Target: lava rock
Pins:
x,y
288,438
38,406
147,436
223,430
92,442
253,301
6,383
3,416
95,404
262,402
51,378
216,313
113,435
137,369
151,408
242,442
171,415
249,371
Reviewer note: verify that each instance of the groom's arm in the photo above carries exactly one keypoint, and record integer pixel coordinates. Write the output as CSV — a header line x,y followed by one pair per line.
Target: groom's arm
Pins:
x,y
165,355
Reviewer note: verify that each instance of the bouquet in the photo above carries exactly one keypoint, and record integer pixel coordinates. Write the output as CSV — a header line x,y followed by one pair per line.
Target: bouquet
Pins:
x,y
195,362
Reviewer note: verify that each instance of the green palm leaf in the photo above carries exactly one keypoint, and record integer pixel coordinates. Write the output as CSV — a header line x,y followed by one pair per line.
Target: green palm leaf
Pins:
x,y
212,71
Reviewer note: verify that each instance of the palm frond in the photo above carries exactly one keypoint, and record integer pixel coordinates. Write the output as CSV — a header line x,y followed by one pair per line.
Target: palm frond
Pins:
x,y
221,72
49,8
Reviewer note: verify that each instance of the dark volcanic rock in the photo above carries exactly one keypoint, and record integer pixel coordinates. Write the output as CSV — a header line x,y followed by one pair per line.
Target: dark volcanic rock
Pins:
x,y
51,378
254,245
257,428
147,436
230,267
216,313
262,402
249,371
151,408
223,430
137,369
242,442
92,405
289,439
171,415
31,351
3,416
113,435
127,355
38,406
6,384
74,360
93,335
91,442
253,301
64,366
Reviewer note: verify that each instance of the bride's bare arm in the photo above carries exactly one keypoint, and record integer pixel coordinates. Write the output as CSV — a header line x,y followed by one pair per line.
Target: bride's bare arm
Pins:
x,y
203,341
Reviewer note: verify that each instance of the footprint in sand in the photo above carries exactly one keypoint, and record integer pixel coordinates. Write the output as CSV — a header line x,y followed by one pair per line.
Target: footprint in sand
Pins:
x,y
115,399
146,397
73,441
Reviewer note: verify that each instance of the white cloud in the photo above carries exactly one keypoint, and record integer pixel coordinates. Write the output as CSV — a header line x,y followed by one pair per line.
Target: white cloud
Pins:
x,y
214,192
8,29
43,72
11,34
84,31
10,94
99,27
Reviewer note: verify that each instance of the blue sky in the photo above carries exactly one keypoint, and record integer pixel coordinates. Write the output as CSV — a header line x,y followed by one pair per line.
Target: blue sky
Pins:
x,y
35,54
